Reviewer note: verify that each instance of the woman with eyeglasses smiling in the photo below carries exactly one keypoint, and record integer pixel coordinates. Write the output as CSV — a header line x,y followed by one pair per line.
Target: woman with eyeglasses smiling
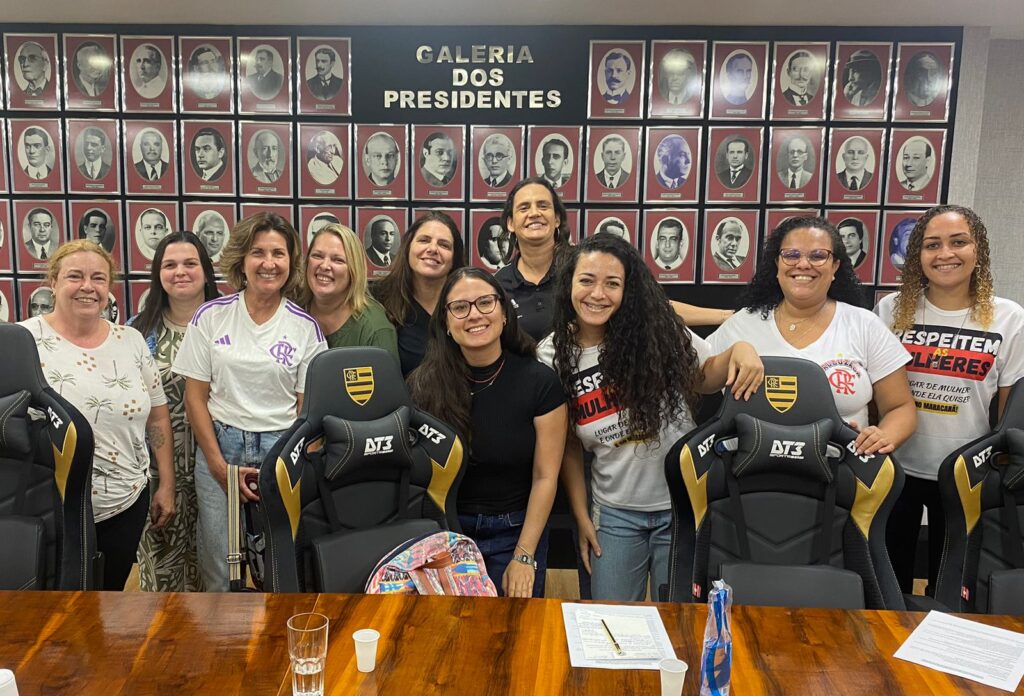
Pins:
x,y
804,302
481,375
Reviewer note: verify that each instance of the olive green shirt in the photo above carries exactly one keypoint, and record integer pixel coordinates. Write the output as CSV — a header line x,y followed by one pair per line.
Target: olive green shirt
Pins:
x,y
371,328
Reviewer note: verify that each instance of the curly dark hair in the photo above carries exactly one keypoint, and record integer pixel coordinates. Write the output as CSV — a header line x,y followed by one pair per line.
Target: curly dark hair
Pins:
x,y
764,292
647,359
440,385
561,234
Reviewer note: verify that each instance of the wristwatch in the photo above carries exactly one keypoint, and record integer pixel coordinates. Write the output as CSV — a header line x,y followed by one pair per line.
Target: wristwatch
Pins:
x,y
527,559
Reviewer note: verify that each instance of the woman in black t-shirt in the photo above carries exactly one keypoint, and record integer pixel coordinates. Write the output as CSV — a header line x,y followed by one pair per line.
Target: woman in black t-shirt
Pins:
x,y
481,376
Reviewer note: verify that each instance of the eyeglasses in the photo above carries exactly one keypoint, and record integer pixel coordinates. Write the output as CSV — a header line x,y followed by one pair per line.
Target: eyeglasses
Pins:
x,y
815,257
484,304
495,156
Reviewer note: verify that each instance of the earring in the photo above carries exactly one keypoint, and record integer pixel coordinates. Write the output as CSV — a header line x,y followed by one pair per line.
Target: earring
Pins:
x,y
504,322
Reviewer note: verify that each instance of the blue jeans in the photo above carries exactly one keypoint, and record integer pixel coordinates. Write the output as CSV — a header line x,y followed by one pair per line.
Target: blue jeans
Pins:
x,y
237,447
634,545
496,536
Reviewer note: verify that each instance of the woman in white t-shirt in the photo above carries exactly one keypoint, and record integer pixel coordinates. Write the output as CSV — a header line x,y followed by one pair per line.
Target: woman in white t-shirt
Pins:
x,y
802,303
244,357
632,371
107,373
967,346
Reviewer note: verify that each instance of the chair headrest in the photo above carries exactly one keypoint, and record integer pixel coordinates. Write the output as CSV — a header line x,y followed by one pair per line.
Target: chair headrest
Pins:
x,y
356,384
798,450
381,442
21,361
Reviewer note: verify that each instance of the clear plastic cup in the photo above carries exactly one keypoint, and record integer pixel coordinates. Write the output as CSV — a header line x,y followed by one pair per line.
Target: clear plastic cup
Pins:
x,y
366,649
307,648
673,673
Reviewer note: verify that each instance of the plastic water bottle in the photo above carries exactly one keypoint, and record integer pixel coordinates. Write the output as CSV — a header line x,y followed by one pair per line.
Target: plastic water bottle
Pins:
x,y
716,660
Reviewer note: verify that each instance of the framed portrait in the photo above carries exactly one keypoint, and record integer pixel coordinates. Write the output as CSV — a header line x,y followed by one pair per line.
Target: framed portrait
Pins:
x,y
138,293
284,210
555,155
208,158
616,79
859,232
670,244
613,154
572,222
42,227
4,186
148,222
264,69
382,150
6,234
436,163
324,76
36,298
795,161
212,223
738,80
861,88
116,310
207,65
147,79
458,215
37,159
924,80
150,158
881,294
90,72
800,81
225,288
673,164
624,224
730,246
99,221
93,148
490,244
312,218
264,153
325,162
892,253
774,217
381,231
734,164
33,74
916,159
677,79
853,169
496,162
8,305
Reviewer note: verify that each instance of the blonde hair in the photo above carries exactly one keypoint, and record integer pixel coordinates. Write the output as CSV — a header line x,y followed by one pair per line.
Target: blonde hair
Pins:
x,y
232,259
356,297
67,249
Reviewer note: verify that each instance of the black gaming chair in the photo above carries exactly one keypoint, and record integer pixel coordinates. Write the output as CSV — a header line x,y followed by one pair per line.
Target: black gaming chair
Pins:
x,y
361,471
46,445
982,490
770,496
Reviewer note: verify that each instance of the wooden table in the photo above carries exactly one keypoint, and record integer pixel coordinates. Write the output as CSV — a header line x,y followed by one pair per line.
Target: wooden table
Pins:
x,y
114,643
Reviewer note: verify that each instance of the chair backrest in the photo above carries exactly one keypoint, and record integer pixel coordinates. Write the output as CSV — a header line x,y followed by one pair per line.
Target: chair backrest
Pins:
x,y
359,472
46,448
775,481
982,490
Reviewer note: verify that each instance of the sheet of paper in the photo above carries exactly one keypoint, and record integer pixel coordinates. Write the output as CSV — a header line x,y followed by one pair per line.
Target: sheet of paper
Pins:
x,y
985,654
638,630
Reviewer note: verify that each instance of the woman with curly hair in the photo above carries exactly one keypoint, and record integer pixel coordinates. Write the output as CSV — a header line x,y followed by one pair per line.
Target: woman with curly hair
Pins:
x,y
964,342
633,372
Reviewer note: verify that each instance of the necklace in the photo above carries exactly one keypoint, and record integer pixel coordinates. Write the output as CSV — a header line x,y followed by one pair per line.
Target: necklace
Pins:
x,y
794,324
936,357
487,382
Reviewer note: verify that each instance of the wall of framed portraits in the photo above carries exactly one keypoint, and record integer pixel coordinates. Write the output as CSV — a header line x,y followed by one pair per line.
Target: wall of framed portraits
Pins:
x,y
692,142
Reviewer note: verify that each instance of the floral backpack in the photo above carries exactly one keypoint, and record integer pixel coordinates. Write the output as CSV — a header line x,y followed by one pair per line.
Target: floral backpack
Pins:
x,y
438,563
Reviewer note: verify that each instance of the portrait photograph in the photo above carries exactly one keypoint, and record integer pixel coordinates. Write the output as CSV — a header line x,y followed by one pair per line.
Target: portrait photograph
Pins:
x,y
859,231
37,158
861,88
115,311
206,69
572,222
669,241
8,309
776,216
138,293
673,164
795,161
738,80
613,154
730,246
90,72
915,166
892,253
436,163
323,76
312,218
490,245
924,78
380,230
99,222
6,237
150,158
852,169
616,79
148,222
4,185
212,223
264,70
677,79
799,86
496,161
93,147
284,210
37,298
265,158
734,173
380,174
209,158
556,156
42,227
325,161
147,74
624,224
33,72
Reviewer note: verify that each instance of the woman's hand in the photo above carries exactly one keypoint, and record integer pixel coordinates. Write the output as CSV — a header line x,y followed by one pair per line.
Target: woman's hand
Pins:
x,y
161,508
872,440
518,580
248,495
588,541
745,370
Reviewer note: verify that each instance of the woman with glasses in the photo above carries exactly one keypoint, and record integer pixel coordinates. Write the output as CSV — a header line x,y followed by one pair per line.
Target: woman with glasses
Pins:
x,y
481,375
803,302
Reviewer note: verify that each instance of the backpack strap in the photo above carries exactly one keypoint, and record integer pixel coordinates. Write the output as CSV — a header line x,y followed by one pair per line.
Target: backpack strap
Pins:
x,y
326,497
735,504
236,569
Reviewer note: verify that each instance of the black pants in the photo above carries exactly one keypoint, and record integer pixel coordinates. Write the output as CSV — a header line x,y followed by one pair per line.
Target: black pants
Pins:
x,y
117,538
904,528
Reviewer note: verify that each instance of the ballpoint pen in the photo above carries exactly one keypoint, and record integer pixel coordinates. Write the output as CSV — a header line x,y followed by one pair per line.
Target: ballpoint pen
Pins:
x,y
615,643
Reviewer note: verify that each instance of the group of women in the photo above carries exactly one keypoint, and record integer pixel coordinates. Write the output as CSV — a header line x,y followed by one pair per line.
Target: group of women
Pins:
x,y
566,350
